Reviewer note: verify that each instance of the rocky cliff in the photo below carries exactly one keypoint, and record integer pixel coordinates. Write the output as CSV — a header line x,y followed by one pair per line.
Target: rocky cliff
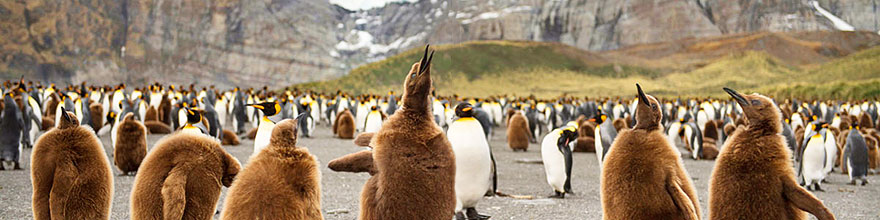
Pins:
x,y
281,42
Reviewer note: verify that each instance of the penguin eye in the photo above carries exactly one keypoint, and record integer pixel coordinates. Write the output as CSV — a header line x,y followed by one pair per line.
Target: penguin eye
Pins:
x,y
756,102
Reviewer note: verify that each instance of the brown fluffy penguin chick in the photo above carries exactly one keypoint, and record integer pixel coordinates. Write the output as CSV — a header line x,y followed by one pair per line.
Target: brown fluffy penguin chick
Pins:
x,y
131,144
71,174
865,121
518,132
585,141
157,127
620,124
710,151
152,114
873,155
181,178
710,131
229,138
251,134
47,123
729,129
753,177
281,182
643,176
97,110
415,165
344,126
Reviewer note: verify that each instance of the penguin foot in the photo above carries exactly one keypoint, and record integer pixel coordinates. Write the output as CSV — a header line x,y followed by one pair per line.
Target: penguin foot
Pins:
x,y
864,182
558,195
853,182
489,193
17,166
817,188
460,216
473,215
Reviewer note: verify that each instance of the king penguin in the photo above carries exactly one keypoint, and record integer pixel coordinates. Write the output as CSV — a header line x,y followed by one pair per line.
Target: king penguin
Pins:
x,y
10,132
373,120
604,136
556,155
472,161
307,122
264,129
193,124
855,156
769,178
643,176
811,159
70,173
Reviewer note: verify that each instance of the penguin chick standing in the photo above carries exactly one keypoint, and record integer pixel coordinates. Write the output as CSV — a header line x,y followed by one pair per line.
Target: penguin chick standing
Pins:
x,y
755,165
473,161
131,144
518,132
643,176
556,155
344,125
70,173
181,178
264,129
281,182
414,162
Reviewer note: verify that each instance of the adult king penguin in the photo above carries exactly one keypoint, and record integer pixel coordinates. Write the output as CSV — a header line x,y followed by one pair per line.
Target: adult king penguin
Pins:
x,y
754,165
556,155
811,159
643,176
374,120
855,156
11,127
472,161
264,130
604,136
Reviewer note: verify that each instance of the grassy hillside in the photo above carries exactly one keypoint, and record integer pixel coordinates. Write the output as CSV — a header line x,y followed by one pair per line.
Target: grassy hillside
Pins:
x,y
550,70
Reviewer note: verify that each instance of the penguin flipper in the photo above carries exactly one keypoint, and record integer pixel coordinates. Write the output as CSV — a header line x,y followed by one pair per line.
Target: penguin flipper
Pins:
x,y
174,194
804,200
566,153
364,139
681,199
355,162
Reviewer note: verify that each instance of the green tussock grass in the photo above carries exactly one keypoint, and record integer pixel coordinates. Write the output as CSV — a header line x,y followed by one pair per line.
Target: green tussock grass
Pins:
x,y
549,70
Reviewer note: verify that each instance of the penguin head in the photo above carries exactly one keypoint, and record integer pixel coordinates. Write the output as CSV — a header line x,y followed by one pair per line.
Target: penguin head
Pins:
x,y
193,116
68,120
268,108
111,117
128,116
599,118
758,110
417,85
284,133
648,113
464,110
567,136
374,108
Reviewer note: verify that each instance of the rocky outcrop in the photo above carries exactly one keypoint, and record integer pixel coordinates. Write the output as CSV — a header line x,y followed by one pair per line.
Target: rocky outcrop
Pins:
x,y
282,42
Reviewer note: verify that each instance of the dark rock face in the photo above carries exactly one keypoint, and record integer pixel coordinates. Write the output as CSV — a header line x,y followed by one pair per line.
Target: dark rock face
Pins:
x,y
282,42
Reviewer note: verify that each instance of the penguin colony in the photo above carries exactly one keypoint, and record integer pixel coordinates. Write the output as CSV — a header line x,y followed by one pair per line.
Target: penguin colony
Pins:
x,y
446,137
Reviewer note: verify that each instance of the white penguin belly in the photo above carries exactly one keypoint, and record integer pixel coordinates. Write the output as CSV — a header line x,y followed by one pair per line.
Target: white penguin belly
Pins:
x,y
814,160
830,152
360,118
373,122
472,161
597,143
554,162
264,132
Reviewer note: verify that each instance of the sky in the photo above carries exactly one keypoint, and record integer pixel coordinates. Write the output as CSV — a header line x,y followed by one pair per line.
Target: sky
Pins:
x,y
355,5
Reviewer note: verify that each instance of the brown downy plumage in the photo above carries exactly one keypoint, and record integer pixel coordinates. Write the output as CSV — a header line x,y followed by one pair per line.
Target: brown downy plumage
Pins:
x,y
97,110
518,132
585,141
865,121
152,114
47,123
753,176
643,176
873,154
620,124
729,129
344,126
181,178
229,138
164,111
281,182
157,127
710,131
70,174
359,162
131,144
415,166
251,134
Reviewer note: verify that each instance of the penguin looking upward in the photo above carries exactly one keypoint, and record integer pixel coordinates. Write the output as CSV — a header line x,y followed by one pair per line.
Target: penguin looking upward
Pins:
x,y
755,165
264,129
643,176
11,127
473,161
410,143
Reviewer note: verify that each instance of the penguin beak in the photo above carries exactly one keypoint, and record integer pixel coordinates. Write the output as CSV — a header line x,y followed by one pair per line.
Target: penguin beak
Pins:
x,y
64,113
736,96
426,60
642,97
257,106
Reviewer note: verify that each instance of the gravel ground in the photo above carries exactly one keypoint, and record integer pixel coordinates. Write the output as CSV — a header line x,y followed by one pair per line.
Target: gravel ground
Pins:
x,y
341,190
